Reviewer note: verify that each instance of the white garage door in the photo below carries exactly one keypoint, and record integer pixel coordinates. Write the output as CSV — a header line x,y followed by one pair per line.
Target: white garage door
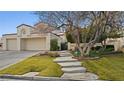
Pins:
x,y
11,44
35,44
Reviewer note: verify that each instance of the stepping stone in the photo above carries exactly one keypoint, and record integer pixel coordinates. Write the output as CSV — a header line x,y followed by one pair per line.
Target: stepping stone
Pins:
x,y
74,69
31,74
64,59
70,64
65,55
80,76
63,52
71,74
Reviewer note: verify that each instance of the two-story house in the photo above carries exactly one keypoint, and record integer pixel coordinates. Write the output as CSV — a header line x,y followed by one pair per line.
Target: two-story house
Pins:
x,y
28,37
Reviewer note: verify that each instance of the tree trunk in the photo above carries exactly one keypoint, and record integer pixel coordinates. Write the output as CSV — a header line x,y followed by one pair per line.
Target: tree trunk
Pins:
x,y
84,48
81,52
88,51
89,48
104,45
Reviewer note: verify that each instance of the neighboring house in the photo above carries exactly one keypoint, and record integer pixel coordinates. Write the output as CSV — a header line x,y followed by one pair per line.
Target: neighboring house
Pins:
x,y
118,44
61,34
28,37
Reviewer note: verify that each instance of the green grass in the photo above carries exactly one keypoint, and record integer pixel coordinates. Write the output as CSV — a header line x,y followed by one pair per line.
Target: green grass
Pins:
x,y
108,67
42,64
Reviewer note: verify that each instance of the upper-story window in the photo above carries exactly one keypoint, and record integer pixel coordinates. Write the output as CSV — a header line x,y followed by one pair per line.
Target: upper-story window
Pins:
x,y
23,31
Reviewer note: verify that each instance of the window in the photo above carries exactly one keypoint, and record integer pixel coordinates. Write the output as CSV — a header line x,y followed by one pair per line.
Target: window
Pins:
x,y
23,31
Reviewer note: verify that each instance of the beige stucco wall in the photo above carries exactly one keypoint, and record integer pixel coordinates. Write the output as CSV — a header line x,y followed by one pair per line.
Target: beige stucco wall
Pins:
x,y
5,41
26,39
22,29
1,48
0,40
117,45
29,42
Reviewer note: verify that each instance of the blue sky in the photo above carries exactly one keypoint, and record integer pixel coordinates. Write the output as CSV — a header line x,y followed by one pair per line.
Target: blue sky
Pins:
x,y
10,20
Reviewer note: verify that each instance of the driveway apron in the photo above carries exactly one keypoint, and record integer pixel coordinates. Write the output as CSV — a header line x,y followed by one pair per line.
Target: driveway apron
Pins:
x,y
8,58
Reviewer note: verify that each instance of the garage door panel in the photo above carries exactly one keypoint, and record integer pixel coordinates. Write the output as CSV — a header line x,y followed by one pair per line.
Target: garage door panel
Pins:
x,y
11,44
35,44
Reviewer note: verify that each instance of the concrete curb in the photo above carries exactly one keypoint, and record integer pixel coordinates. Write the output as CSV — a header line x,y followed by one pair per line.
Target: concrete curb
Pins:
x,y
35,78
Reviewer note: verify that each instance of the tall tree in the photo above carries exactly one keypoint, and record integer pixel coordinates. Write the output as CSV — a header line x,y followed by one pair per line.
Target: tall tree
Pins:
x,y
103,22
89,26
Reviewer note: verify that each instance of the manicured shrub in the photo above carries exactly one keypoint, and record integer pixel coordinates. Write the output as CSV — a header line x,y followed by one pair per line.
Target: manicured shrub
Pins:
x,y
77,53
54,45
110,47
94,53
98,48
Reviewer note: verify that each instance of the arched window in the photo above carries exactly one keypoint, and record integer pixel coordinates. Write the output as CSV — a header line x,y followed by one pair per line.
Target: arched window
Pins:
x,y
23,31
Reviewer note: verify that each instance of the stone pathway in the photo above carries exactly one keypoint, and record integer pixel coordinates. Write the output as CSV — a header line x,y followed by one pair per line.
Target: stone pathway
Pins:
x,y
72,68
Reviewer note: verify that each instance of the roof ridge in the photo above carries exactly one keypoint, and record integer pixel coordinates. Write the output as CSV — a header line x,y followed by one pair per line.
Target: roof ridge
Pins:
x,y
25,25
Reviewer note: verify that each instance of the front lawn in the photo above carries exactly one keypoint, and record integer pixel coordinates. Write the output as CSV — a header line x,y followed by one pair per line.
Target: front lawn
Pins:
x,y
108,67
42,64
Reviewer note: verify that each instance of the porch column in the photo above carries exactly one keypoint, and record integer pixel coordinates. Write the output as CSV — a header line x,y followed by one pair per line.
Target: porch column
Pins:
x,y
18,44
69,45
48,41
4,43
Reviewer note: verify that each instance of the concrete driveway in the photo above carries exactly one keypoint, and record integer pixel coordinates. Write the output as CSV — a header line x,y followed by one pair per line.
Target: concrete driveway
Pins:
x,y
8,58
